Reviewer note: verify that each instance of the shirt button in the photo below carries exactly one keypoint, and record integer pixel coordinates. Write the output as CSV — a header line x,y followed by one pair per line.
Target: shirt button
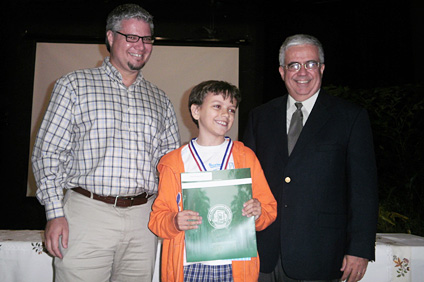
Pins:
x,y
287,179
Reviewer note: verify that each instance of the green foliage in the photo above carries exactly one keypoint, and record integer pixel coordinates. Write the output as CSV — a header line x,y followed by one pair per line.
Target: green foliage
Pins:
x,y
391,222
397,119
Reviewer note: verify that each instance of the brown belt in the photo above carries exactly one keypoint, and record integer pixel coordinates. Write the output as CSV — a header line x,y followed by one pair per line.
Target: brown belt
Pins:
x,y
118,201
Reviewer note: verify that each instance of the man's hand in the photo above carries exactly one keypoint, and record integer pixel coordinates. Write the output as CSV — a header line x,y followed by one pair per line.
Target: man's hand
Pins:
x,y
56,228
353,268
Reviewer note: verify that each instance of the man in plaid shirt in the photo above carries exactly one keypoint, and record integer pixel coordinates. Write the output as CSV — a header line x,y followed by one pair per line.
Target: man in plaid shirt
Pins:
x,y
102,136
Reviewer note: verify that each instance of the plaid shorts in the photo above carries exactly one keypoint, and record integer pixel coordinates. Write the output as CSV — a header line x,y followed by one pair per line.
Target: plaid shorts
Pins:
x,y
208,273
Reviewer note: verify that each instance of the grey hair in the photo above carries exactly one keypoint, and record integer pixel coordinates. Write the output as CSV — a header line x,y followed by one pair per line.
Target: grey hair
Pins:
x,y
300,39
127,12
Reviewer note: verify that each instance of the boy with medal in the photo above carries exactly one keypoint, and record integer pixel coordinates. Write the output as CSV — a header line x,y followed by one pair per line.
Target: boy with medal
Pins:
x,y
212,105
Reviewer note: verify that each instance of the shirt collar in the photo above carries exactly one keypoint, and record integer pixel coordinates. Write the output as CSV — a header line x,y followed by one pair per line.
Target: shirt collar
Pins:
x,y
307,105
115,74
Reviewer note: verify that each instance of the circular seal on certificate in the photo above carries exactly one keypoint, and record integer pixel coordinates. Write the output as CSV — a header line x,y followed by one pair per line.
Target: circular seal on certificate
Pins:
x,y
220,216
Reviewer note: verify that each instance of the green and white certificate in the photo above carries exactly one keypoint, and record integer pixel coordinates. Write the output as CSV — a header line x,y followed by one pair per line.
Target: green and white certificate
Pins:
x,y
218,196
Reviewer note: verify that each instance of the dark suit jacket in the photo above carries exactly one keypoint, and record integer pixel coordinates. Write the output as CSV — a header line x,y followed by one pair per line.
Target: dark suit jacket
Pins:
x,y
326,190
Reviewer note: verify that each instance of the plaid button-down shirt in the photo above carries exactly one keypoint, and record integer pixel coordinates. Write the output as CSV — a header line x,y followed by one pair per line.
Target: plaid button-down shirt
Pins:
x,y
102,136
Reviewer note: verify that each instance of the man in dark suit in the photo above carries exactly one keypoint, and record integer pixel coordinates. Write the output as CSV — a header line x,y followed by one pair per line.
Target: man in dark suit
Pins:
x,y
326,186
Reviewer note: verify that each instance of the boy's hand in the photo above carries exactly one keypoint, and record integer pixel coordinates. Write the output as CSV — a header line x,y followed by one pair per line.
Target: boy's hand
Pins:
x,y
252,208
186,220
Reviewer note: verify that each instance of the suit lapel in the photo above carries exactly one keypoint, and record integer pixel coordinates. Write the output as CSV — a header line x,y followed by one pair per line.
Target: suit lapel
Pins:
x,y
281,128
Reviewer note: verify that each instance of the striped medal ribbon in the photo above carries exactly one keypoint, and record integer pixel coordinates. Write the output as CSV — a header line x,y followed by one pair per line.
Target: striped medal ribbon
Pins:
x,y
198,159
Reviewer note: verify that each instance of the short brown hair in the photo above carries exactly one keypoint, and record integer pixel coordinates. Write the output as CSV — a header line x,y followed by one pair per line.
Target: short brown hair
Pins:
x,y
217,87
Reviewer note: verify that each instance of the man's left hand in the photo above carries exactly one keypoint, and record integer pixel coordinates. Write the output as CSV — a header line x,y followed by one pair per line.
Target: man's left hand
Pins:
x,y
353,268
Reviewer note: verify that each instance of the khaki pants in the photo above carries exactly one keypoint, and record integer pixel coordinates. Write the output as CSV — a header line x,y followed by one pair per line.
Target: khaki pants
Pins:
x,y
106,243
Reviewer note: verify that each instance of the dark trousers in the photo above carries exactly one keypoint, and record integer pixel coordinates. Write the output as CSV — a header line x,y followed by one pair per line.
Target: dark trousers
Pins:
x,y
278,275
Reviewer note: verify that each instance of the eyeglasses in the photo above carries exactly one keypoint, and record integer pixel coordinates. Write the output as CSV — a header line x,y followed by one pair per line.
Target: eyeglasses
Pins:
x,y
135,38
309,65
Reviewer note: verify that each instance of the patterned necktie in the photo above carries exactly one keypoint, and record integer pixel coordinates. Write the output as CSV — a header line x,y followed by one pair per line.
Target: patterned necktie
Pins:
x,y
296,126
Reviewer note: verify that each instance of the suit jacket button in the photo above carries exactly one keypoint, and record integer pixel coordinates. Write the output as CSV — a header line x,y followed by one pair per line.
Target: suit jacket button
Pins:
x,y
287,179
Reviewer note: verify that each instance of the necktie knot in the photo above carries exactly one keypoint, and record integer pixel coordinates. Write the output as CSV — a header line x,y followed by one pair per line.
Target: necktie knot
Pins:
x,y
298,105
